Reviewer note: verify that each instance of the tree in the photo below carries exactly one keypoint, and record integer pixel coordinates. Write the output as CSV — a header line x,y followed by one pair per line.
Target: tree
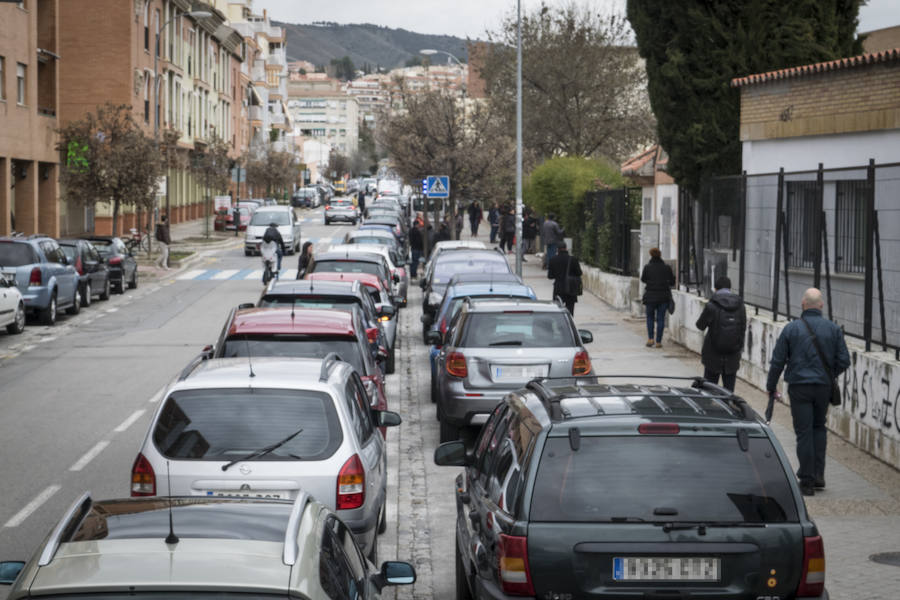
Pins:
x,y
583,87
108,159
272,171
693,49
343,68
338,164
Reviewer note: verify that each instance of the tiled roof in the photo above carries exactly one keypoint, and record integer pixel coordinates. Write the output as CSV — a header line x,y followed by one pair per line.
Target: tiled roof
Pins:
x,y
831,65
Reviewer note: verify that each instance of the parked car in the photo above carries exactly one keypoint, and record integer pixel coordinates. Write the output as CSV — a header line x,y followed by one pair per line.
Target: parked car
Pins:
x,y
12,306
357,262
452,261
288,227
121,261
212,547
449,244
42,274
341,209
271,428
307,197
495,347
399,277
613,487
93,271
382,237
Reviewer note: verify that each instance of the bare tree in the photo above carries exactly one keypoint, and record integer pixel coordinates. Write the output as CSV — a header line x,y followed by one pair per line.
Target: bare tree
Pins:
x,y
271,171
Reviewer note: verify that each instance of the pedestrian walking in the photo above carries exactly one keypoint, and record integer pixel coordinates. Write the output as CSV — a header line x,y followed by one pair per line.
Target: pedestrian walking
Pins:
x,y
361,202
236,218
565,271
443,233
507,228
725,320
306,260
529,232
416,246
476,216
494,221
658,279
458,222
164,240
812,353
552,235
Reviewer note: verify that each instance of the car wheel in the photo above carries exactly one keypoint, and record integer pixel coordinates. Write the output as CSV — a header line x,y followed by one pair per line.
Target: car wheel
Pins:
x,y
18,324
86,296
247,253
48,315
382,523
132,285
76,303
449,432
389,366
104,295
463,591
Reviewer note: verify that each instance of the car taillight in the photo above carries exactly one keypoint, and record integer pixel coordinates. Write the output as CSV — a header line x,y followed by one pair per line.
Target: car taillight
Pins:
x,y
143,479
351,484
35,277
456,364
812,581
372,335
515,577
384,318
115,260
582,363
327,207
443,327
78,266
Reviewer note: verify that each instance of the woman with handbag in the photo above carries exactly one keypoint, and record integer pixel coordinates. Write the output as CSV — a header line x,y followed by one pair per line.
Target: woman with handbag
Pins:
x,y
565,271
658,279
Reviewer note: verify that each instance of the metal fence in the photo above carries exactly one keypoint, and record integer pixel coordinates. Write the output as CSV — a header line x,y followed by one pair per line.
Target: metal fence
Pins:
x,y
777,234
604,240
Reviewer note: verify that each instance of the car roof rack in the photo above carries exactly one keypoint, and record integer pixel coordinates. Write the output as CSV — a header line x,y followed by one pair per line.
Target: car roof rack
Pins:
x,y
552,397
329,361
191,366
75,513
291,550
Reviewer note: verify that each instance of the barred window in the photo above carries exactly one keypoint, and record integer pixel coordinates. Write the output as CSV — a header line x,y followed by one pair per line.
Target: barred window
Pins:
x,y
850,227
803,224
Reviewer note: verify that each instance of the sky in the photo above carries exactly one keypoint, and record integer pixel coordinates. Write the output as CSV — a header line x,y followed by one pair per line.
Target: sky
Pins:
x,y
471,18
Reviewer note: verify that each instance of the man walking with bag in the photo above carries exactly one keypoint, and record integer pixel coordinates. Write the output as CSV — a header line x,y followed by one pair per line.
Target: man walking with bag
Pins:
x,y
814,352
163,241
565,271
725,319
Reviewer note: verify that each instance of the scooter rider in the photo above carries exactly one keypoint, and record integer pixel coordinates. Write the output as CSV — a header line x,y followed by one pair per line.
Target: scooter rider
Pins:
x,y
273,235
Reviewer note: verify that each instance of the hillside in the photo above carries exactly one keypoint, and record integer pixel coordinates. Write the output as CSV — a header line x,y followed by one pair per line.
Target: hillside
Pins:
x,y
364,43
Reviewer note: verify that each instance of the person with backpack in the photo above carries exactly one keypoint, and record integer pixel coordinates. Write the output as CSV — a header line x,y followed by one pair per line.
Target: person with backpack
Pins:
x,y
725,320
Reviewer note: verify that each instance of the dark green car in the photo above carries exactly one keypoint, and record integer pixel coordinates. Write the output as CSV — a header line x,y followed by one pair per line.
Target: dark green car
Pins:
x,y
599,487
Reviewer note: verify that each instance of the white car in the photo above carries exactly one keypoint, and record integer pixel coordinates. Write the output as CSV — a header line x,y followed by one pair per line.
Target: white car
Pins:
x,y
12,306
288,227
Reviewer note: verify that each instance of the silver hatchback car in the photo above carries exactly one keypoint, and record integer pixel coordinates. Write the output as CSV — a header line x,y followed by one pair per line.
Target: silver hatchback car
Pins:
x,y
269,429
493,347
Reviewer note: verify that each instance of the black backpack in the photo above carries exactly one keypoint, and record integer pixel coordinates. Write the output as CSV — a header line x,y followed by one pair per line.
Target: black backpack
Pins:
x,y
727,336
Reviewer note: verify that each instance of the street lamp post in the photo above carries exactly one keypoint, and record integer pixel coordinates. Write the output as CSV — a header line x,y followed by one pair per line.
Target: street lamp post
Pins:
x,y
195,14
519,138
431,52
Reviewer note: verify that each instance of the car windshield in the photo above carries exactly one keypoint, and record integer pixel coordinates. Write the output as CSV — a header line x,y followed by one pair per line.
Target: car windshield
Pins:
x,y
347,266
297,346
68,250
14,254
343,202
697,479
521,328
224,424
279,217
485,263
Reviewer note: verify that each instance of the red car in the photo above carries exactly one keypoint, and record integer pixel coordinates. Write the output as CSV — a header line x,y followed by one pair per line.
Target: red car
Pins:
x,y
225,219
303,333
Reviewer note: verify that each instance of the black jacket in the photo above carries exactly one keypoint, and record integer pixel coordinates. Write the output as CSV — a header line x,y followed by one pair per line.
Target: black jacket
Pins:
x,y
273,235
718,304
560,266
416,242
508,222
659,279
795,350
529,228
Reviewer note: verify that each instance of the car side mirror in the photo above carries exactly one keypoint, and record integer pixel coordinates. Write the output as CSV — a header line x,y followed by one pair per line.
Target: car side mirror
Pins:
x,y
387,418
434,338
10,569
207,352
246,305
586,336
453,454
386,310
394,573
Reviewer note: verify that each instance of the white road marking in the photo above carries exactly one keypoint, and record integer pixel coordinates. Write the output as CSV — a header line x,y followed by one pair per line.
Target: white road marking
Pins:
x,y
18,518
89,456
112,310
130,420
47,339
155,397
191,274
226,274
257,274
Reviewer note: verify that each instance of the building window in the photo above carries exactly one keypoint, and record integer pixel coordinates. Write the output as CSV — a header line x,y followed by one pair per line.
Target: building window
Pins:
x,y
147,25
850,227
2,78
156,42
20,83
146,98
803,224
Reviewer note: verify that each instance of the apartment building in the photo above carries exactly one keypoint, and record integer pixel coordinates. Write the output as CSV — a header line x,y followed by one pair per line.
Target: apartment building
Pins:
x,y
331,118
373,95
29,169
188,82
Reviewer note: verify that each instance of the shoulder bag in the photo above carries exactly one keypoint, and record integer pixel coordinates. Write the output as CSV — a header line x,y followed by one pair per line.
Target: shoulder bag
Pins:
x,y
835,399
573,284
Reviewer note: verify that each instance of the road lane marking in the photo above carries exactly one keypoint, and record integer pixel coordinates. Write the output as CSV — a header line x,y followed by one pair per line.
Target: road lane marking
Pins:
x,y
89,456
130,420
18,518
112,310
191,274
225,274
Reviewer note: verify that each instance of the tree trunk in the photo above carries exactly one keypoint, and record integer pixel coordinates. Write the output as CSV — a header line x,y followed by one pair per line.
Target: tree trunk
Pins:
x,y
115,218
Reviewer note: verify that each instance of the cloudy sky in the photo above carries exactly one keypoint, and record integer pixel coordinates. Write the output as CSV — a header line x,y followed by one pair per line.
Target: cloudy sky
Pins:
x,y
471,18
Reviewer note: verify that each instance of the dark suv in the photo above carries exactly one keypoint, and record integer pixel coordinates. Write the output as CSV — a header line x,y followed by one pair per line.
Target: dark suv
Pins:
x,y
600,487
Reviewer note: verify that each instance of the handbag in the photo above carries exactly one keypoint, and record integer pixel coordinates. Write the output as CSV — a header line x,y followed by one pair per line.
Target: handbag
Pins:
x,y
835,398
573,285
671,307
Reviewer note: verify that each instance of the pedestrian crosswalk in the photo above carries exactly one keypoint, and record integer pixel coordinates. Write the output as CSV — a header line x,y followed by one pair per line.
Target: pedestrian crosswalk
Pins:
x,y
231,274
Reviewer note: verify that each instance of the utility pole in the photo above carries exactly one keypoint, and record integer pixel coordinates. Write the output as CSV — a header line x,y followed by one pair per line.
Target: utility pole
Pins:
x,y
519,138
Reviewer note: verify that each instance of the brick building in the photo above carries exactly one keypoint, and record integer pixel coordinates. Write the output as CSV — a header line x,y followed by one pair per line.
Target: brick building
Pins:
x,y
29,94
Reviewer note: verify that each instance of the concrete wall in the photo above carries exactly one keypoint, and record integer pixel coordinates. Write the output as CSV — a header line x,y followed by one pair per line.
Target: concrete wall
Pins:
x,y
615,290
870,414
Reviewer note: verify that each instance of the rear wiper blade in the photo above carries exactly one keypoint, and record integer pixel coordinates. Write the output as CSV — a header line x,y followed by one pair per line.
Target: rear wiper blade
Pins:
x,y
507,343
263,451
626,520
682,525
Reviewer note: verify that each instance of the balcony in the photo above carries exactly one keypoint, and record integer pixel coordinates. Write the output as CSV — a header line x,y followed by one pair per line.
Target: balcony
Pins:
x,y
258,72
256,115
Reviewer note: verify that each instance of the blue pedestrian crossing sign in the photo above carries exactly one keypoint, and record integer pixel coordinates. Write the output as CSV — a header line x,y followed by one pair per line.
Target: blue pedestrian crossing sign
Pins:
x,y
438,186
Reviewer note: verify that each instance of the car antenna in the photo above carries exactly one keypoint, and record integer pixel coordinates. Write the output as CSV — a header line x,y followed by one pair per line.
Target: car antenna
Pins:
x,y
293,302
249,359
171,538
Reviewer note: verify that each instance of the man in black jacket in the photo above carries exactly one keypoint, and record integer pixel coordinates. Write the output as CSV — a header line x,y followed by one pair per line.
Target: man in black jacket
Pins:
x,y
561,267
725,319
809,384
658,279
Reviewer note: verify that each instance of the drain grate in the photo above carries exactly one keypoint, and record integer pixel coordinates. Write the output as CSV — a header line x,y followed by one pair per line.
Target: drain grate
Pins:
x,y
887,558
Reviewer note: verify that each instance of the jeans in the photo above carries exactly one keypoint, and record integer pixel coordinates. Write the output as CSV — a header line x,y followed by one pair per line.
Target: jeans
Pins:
x,y
809,405
278,253
414,266
494,230
728,379
473,228
657,313
551,252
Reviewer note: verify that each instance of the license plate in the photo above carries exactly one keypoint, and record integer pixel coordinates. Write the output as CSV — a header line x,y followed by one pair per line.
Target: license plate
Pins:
x,y
666,569
277,495
518,372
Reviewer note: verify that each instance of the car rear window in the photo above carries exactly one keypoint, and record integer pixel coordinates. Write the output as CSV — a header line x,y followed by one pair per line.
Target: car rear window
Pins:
x,y
347,266
224,424
279,217
293,346
700,478
518,328
445,269
13,254
104,247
